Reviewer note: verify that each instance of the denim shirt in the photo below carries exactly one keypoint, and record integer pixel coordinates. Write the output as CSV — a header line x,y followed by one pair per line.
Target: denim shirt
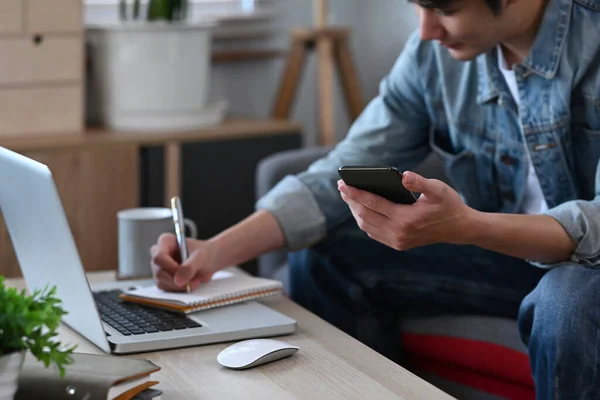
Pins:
x,y
465,112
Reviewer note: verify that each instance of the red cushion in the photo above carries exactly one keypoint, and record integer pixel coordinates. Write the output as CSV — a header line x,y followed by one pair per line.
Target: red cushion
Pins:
x,y
472,379
482,358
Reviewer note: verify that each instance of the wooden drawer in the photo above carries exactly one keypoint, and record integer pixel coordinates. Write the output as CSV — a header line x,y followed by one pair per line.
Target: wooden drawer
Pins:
x,y
35,111
53,59
50,16
11,16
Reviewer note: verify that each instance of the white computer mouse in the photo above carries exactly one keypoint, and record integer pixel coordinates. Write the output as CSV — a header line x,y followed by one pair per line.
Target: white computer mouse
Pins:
x,y
254,352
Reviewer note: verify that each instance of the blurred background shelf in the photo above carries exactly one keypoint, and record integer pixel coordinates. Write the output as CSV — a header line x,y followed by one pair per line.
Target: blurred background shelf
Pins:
x,y
244,55
99,172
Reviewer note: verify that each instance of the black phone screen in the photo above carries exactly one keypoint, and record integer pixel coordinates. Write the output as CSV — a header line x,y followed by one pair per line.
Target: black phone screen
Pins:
x,y
383,181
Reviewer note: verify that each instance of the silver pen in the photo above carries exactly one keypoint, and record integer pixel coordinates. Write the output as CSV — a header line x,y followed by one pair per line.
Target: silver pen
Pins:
x,y
177,212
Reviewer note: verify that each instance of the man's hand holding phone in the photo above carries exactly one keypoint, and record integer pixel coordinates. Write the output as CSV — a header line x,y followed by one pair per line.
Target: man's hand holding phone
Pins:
x,y
438,216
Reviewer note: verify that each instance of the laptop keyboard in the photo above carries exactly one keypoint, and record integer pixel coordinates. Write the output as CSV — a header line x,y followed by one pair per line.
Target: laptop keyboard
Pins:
x,y
133,319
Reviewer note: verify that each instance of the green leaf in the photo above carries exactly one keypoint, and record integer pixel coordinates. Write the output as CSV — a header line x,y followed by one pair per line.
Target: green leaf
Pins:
x,y
30,322
159,10
167,10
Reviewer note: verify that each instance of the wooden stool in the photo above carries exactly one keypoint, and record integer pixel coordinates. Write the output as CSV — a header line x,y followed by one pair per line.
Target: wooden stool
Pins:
x,y
333,50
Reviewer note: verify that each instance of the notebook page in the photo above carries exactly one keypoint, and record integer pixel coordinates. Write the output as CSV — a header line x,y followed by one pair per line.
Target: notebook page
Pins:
x,y
224,284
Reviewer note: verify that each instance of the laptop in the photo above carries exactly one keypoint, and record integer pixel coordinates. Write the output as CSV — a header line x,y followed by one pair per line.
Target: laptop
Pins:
x,y
47,255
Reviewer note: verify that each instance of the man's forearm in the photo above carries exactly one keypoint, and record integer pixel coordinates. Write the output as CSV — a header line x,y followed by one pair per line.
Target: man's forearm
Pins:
x,y
537,238
250,238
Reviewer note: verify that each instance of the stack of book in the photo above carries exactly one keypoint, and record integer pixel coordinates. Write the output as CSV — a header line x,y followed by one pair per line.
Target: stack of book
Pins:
x,y
89,377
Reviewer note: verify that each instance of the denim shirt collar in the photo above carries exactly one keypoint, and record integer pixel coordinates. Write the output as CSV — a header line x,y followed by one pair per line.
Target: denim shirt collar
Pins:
x,y
544,57
489,77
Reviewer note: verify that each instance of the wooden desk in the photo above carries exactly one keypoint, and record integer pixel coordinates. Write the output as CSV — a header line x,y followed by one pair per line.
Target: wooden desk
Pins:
x,y
330,364
97,174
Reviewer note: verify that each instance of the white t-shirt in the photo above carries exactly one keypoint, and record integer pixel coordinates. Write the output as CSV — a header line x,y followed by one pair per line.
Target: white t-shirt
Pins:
x,y
534,201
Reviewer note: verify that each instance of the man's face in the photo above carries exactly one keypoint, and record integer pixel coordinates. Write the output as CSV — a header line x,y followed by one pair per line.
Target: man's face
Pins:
x,y
468,28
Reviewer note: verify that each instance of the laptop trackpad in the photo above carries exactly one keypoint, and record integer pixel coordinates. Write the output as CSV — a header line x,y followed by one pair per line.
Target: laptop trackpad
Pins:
x,y
243,315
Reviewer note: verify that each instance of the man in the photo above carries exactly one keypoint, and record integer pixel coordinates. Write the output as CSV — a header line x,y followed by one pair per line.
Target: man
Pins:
x,y
508,93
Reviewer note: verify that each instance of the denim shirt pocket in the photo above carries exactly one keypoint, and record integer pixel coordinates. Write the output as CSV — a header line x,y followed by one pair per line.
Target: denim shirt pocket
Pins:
x,y
586,143
512,166
470,169
585,139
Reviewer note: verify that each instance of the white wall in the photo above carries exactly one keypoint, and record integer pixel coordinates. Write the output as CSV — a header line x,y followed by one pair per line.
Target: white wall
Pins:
x,y
380,29
389,24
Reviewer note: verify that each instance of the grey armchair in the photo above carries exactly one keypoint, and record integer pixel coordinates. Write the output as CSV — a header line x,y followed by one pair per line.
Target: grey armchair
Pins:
x,y
270,171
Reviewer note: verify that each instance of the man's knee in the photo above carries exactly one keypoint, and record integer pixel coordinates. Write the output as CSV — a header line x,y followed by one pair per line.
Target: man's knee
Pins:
x,y
564,302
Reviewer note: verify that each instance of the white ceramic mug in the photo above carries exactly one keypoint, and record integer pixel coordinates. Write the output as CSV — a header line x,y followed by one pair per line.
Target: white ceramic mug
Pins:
x,y
139,229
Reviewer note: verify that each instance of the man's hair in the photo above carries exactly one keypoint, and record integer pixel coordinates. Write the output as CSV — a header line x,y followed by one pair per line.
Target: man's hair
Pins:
x,y
494,5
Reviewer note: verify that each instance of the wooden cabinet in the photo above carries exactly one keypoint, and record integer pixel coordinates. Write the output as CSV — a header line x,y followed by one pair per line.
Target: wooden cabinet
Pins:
x,y
39,111
42,67
40,60
11,16
94,184
54,16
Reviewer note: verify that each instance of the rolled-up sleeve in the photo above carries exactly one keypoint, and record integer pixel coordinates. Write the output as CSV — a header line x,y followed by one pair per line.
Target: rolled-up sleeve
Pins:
x,y
392,130
581,220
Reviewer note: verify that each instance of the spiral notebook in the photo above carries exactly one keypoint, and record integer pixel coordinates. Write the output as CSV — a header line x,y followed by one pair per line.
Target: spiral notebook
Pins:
x,y
223,289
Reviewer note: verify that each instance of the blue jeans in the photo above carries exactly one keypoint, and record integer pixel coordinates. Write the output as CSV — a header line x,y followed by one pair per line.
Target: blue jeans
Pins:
x,y
364,288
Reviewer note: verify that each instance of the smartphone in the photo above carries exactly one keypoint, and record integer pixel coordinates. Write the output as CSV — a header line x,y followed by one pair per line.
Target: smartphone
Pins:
x,y
383,181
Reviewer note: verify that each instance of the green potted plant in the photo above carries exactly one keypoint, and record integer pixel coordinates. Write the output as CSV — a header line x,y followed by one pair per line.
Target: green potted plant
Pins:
x,y
29,323
151,70
167,10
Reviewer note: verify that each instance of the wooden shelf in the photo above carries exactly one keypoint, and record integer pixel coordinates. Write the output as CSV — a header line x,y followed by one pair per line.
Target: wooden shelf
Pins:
x,y
243,55
94,137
